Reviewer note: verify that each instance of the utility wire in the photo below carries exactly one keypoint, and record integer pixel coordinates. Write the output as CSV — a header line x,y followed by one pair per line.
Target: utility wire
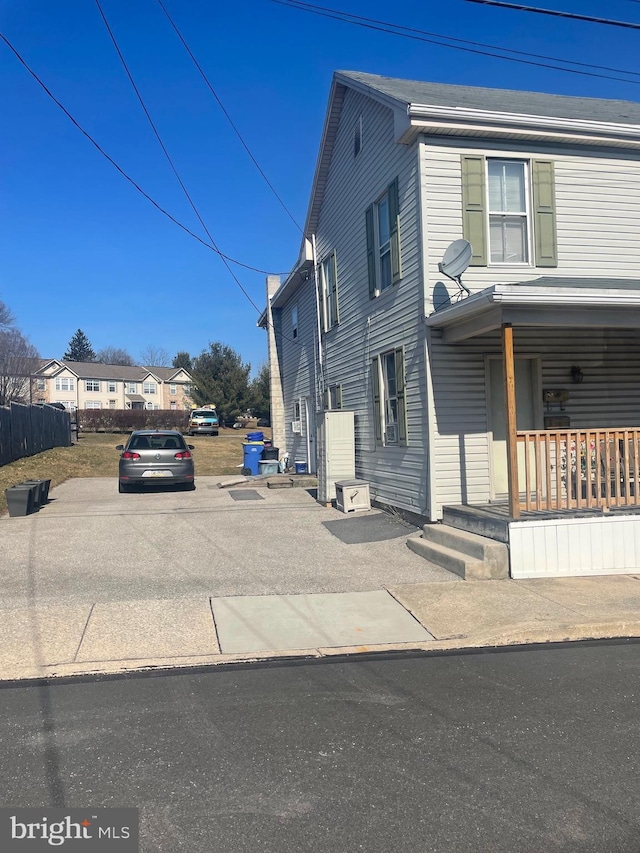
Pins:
x,y
302,4
628,25
444,41
124,174
168,156
228,117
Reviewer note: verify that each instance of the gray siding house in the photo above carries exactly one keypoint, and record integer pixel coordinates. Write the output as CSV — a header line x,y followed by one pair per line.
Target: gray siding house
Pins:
x,y
508,404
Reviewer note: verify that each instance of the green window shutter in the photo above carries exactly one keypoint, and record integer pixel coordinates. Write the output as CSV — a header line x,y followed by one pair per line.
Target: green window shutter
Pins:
x,y
334,291
474,197
544,213
377,409
403,437
371,252
394,230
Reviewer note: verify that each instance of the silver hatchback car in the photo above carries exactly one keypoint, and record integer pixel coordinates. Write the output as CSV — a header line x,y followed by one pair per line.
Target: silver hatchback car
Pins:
x,y
158,457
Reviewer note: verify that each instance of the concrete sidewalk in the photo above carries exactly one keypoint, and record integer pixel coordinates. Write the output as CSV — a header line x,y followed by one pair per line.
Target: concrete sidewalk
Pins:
x,y
98,582
113,637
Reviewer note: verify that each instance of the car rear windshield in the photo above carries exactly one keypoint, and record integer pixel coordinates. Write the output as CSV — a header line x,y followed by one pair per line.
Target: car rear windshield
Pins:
x,y
210,415
157,442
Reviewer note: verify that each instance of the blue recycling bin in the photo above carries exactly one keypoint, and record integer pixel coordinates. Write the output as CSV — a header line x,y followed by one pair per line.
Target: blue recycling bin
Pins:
x,y
252,455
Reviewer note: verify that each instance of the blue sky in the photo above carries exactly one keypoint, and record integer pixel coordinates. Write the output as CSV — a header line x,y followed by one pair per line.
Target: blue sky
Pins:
x,y
80,248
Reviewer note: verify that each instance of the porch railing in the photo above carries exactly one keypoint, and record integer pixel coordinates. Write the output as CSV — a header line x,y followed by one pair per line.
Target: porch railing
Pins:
x,y
584,469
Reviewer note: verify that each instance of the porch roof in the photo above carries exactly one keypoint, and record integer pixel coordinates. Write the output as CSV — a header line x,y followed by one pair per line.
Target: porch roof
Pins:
x,y
543,302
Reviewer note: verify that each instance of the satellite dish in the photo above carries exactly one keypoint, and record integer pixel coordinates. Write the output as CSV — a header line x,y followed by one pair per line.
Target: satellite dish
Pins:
x,y
456,259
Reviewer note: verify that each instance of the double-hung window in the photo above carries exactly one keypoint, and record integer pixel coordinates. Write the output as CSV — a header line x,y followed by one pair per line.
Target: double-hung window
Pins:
x,y
507,182
333,398
132,388
509,210
42,385
65,383
111,387
389,399
173,389
329,295
92,385
382,222
148,387
93,404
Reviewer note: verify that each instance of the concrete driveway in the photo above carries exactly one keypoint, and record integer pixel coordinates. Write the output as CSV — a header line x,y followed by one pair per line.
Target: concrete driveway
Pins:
x,y
91,543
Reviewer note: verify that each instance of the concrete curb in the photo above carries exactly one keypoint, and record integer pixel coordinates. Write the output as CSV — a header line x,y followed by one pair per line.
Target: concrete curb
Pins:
x,y
520,636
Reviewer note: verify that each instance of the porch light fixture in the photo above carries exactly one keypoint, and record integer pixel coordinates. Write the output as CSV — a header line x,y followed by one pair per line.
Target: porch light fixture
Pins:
x,y
576,374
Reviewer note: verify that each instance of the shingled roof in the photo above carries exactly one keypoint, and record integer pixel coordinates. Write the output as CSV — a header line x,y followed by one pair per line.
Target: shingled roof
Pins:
x,y
499,100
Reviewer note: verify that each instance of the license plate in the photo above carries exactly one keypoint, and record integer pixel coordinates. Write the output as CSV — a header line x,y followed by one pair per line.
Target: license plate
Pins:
x,y
157,474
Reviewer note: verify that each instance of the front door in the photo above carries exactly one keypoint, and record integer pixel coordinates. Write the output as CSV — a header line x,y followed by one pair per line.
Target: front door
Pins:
x,y
526,376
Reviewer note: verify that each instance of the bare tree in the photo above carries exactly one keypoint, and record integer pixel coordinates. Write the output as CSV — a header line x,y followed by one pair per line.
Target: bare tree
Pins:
x,y
155,357
19,359
114,355
6,317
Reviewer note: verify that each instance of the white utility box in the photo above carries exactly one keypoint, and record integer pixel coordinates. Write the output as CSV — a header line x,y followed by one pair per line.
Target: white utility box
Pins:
x,y
336,449
353,496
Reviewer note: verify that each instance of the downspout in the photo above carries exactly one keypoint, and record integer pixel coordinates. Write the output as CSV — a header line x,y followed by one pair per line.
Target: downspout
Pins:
x,y
320,356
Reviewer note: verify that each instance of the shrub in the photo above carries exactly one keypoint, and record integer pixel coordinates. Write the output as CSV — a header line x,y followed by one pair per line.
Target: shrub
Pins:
x,y
126,420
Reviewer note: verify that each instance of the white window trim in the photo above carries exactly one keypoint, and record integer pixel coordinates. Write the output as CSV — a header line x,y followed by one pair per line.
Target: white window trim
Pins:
x,y
92,382
111,386
387,424
527,215
378,247
330,312
149,387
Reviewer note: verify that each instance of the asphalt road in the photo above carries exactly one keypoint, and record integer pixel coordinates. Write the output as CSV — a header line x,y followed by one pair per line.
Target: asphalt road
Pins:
x,y
514,751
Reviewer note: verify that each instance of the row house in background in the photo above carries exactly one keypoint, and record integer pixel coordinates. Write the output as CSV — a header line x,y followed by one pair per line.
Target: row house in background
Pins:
x,y
505,404
89,385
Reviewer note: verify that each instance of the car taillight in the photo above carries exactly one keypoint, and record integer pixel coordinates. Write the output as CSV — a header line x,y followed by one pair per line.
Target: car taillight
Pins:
x,y
129,455
184,454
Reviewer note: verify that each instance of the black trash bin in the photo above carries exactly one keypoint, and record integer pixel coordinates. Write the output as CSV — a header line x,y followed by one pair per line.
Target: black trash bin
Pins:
x,y
271,453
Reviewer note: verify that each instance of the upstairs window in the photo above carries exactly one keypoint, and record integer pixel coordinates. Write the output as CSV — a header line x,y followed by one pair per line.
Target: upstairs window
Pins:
x,y
294,321
65,383
508,211
148,387
173,389
329,294
382,222
112,387
357,138
132,387
92,385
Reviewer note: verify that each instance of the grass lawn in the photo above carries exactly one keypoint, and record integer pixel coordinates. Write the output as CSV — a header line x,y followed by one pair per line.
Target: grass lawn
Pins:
x,y
95,456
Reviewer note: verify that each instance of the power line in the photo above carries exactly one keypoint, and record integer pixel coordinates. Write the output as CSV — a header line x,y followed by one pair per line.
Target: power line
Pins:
x,y
628,25
228,117
124,174
444,41
168,156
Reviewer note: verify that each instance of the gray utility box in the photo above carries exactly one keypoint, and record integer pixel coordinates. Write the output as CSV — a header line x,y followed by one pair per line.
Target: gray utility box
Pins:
x,y
353,496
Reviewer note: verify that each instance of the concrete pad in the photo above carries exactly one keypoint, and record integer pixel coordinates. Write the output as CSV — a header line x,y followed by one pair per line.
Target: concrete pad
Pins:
x,y
277,622
602,597
149,629
34,637
477,610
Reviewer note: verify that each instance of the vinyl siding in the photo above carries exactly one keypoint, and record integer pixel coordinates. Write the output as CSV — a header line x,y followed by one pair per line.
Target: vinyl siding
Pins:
x,y
367,326
598,231
298,367
609,396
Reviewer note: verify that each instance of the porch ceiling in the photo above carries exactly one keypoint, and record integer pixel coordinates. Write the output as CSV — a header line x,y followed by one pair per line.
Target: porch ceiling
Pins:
x,y
543,302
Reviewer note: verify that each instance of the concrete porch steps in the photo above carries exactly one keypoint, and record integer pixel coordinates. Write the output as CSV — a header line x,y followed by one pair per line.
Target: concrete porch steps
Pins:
x,y
469,555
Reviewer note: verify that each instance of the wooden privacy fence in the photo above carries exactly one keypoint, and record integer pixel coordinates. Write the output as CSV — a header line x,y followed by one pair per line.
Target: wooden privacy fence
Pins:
x,y
584,469
26,430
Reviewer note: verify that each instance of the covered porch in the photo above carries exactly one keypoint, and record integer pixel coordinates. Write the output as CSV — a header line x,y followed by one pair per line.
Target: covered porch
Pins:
x,y
571,491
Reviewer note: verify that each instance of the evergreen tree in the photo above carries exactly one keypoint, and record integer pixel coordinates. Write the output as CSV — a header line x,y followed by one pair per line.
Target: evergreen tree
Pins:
x,y
182,359
220,377
79,348
261,393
